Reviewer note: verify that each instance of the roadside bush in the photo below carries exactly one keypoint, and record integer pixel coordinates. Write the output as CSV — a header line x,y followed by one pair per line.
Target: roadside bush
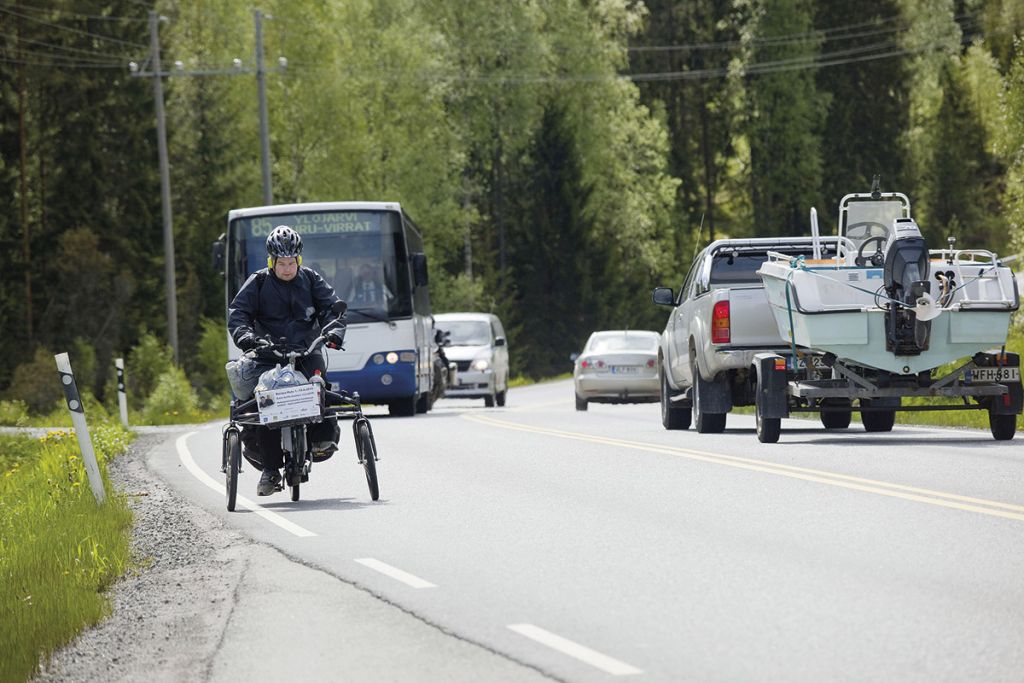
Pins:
x,y
173,401
146,363
13,413
211,355
35,383
83,363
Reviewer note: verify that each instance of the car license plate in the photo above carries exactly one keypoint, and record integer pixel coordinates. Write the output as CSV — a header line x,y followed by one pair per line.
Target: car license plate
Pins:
x,y
1007,374
625,369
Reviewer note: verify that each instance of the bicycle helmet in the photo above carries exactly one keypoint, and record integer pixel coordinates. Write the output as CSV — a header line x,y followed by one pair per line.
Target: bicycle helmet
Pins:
x,y
283,242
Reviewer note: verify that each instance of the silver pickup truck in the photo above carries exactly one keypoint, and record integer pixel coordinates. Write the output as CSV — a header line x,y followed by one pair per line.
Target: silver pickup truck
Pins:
x,y
720,319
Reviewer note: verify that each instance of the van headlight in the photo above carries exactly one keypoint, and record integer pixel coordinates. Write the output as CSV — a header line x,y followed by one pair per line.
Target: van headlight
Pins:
x,y
481,364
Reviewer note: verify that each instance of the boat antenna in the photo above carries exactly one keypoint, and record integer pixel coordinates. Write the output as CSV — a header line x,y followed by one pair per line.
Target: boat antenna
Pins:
x,y
876,187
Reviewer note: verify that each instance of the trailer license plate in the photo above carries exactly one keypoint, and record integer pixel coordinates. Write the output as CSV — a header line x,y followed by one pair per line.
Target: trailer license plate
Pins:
x,y
1008,374
625,369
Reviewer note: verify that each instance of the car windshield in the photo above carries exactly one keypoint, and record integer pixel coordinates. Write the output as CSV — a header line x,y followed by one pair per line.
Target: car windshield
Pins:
x,y
467,332
621,342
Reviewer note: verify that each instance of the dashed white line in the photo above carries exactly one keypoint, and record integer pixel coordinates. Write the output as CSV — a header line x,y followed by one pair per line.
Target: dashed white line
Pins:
x,y
594,658
395,573
186,459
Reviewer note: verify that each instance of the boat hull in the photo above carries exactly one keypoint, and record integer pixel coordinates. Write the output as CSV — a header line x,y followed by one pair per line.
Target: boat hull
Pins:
x,y
851,324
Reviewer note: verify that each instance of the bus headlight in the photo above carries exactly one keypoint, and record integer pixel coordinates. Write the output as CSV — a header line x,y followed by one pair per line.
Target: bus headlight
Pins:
x,y
481,364
378,358
392,357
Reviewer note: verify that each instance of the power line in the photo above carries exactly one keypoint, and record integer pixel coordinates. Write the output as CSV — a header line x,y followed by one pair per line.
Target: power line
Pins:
x,y
63,65
76,15
72,30
23,39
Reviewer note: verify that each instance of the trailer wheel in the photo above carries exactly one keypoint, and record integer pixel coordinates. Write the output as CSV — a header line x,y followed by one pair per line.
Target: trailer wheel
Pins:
x,y
836,419
768,428
878,420
1003,426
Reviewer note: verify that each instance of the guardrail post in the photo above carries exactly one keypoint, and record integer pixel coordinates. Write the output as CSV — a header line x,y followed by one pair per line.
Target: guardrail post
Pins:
x,y
122,396
74,401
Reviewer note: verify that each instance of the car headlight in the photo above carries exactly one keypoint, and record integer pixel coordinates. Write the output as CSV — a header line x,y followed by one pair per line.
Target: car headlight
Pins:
x,y
481,364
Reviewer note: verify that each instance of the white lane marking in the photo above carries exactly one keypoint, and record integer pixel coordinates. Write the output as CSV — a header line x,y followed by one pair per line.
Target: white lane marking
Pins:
x,y
584,654
186,459
395,573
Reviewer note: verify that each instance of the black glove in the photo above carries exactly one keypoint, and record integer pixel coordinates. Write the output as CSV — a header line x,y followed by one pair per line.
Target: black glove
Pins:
x,y
247,341
335,338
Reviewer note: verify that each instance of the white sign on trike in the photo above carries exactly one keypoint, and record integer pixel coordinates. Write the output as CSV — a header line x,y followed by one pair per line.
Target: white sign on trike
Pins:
x,y
288,403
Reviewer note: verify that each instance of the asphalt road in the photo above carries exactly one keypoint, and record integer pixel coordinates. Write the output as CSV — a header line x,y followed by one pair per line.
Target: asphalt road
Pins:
x,y
590,545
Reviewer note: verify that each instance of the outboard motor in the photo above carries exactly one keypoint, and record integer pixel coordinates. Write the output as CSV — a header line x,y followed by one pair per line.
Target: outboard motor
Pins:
x,y
906,280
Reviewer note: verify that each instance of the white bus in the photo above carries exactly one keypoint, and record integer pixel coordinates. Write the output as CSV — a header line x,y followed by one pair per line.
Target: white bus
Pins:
x,y
372,254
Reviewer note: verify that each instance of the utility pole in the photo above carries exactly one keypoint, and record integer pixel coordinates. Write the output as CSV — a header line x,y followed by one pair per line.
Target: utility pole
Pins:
x,y
157,74
165,185
261,86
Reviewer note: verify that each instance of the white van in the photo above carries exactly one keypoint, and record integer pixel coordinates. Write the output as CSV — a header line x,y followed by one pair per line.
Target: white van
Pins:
x,y
476,343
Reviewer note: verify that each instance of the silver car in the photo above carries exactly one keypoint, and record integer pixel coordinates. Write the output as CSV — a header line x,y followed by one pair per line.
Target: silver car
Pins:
x,y
476,342
618,366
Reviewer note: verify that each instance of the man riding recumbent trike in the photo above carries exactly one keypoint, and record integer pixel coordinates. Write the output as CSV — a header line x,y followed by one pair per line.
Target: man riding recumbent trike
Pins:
x,y
279,418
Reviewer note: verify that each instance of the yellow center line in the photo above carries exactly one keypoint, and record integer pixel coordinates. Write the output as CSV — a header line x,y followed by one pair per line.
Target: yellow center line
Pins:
x,y
883,488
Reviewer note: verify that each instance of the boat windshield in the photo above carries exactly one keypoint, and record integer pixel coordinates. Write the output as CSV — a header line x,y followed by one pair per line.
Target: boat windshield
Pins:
x,y
875,218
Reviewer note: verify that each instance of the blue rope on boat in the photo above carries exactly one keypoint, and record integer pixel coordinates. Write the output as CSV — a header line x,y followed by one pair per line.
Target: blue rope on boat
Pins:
x,y
789,310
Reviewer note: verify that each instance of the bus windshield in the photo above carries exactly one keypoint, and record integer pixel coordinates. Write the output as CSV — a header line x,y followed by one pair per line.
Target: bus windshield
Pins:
x,y
362,254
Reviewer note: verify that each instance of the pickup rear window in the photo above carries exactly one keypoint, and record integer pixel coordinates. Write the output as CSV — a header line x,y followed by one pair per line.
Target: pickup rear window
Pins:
x,y
729,268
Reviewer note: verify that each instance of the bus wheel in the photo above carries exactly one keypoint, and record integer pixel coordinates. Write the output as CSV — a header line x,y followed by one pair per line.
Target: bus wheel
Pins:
x,y
403,407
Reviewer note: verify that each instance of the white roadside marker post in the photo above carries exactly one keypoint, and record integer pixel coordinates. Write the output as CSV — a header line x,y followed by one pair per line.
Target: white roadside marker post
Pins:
x,y
74,401
122,396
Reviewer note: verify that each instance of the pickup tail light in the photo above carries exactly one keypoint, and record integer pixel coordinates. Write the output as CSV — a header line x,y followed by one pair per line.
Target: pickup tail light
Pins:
x,y
720,330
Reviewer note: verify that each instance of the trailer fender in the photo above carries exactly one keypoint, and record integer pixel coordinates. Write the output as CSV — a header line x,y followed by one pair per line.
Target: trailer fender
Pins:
x,y
1011,403
770,384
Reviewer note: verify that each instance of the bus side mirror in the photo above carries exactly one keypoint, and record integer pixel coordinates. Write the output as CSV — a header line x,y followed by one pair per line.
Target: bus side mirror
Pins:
x,y
419,270
218,253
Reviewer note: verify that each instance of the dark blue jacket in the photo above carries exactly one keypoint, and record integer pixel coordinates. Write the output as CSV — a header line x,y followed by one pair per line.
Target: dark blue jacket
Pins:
x,y
271,307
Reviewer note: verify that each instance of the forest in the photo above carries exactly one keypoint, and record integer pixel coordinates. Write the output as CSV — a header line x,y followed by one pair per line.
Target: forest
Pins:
x,y
562,157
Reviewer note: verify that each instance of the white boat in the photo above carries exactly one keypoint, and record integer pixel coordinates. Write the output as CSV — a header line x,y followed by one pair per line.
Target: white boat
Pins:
x,y
883,300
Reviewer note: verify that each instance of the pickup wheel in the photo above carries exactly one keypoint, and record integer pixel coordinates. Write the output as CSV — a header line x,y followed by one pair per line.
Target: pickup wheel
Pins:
x,y
673,416
705,423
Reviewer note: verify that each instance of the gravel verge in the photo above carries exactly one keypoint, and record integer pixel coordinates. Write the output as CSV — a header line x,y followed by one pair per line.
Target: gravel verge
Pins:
x,y
170,611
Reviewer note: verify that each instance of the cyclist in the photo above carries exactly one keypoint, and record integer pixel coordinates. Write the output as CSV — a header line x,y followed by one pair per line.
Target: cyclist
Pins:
x,y
287,302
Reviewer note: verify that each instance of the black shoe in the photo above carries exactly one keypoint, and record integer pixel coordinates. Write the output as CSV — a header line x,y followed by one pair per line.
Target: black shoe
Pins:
x,y
324,447
269,481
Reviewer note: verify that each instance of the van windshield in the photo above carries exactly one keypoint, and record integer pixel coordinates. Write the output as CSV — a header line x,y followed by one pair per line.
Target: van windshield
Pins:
x,y
467,332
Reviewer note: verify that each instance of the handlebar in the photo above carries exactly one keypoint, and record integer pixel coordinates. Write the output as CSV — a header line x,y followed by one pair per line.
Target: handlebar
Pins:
x,y
268,349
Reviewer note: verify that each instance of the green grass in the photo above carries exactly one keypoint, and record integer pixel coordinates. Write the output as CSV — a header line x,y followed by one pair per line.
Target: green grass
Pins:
x,y
58,549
